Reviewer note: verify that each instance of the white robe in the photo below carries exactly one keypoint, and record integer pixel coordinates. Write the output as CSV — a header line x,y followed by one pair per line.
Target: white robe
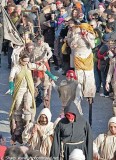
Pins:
x,y
85,78
105,145
41,139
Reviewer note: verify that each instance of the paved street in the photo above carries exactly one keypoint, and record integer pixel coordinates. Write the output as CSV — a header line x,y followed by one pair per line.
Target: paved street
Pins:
x,y
102,107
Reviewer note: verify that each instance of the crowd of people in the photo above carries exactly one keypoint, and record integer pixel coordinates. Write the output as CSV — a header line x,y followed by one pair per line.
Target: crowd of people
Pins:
x,y
79,37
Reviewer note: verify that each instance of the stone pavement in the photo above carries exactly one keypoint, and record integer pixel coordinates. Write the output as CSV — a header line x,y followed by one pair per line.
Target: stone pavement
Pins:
x,y
102,107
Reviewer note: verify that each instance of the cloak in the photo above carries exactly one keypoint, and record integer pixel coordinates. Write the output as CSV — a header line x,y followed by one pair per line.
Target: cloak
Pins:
x,y
72,135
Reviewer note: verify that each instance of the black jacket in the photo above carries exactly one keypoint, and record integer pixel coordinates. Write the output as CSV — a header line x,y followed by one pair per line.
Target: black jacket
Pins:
x,y
103,63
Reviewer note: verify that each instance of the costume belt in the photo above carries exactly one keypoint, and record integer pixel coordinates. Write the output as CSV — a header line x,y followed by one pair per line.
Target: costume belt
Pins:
x,y
74,143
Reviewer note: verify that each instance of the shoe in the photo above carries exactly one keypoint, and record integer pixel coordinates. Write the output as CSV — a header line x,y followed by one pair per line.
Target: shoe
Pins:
x,y
103,95
106,96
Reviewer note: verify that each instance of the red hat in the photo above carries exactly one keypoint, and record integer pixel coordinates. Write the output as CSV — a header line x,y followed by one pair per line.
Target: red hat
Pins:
x,y
58,2
71,74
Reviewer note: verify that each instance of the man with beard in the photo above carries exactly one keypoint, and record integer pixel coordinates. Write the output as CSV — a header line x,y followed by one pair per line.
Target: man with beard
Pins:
x,y
72,131
39,135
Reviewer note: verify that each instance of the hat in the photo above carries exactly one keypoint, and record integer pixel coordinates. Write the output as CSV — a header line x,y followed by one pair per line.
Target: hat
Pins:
x,y
77,154
71,74
58,2
87,27
111,120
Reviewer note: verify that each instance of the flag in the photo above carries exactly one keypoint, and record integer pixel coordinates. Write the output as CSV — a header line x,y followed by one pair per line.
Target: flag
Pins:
x,y
10,31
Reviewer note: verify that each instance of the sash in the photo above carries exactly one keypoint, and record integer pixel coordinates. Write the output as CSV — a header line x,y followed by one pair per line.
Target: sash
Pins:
x,y
28,76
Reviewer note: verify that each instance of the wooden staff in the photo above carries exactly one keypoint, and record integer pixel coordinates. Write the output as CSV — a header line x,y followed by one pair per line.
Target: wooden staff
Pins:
x,y
90,100
0,60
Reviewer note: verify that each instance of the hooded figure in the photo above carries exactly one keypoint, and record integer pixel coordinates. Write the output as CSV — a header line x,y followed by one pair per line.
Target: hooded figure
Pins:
x,y
104,145
70,135
39,135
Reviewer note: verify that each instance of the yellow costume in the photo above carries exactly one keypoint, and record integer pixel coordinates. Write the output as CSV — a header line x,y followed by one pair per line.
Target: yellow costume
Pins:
x,y
82,46
23,107
25,73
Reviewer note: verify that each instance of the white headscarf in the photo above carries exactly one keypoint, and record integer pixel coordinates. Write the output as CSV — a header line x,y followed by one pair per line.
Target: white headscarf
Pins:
x,y
46,112
77,154
112,120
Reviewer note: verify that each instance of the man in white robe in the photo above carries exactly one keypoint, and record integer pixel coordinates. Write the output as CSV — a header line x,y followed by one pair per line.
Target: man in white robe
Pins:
x,y
39,135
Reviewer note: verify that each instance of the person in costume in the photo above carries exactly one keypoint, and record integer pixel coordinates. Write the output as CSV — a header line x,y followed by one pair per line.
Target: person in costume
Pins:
x,y
71,132
21,85
43,53
68,91
104,145
83,59
39,135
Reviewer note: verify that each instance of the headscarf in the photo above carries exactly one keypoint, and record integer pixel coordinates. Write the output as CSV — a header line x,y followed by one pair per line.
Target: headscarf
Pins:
x,y
71,74
77,154
46,112
87,27
111,120
79,6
